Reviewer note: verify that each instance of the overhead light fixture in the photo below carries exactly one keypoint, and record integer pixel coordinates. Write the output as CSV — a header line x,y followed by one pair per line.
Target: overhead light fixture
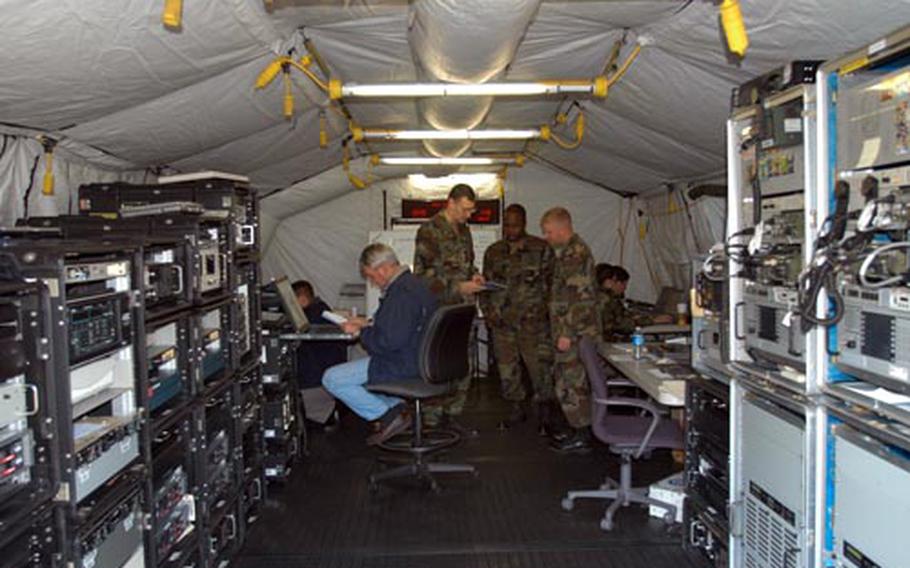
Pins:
x,y
466,161
596,87
361,134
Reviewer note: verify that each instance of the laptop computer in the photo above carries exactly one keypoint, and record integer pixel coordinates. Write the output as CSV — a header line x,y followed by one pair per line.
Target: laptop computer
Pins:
x,y
299,321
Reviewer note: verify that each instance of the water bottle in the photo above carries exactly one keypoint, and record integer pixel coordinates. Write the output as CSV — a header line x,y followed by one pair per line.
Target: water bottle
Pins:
x,y
638,343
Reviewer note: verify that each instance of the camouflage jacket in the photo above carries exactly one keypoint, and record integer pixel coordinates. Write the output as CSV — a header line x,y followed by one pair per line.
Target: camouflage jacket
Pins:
x,y
616,317
525,267
573,296
444,257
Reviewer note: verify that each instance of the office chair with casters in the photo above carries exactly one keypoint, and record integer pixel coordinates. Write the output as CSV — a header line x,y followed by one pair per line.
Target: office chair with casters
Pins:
x,y
443,360
629,436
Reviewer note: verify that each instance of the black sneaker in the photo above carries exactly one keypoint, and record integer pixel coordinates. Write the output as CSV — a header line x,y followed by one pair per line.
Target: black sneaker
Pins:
x,y
578,443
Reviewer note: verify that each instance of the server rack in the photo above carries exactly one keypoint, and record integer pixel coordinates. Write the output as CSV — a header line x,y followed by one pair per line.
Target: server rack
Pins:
x,y
863,167
705,510
772,155
28,389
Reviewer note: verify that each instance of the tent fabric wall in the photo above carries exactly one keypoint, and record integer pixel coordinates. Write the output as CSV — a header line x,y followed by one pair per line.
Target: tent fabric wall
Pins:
x,y
22,165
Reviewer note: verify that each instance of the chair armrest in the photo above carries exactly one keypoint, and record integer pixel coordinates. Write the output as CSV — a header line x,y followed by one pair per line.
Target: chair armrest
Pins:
x,y
646,405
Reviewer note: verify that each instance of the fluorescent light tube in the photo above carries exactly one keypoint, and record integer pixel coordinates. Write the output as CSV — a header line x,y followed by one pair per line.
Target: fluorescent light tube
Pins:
x,y
490,134
428,161
596,87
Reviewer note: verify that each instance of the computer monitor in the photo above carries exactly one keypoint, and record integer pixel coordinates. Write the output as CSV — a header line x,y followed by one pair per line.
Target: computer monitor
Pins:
x,y
289,302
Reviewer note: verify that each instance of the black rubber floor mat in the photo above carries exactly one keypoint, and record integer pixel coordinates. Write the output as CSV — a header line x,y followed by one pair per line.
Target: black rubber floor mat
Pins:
x,y
510,516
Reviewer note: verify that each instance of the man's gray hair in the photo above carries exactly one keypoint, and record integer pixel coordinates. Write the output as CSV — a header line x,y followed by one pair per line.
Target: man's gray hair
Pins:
x,y
377,254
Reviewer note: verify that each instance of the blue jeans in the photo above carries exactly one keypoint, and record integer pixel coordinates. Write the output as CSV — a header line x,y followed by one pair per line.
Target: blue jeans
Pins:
x,y
345,382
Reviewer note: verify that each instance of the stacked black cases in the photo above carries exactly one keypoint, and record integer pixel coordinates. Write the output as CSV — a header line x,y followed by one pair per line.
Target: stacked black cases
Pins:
x,y
109,527
29,460
282,416
35,543
217,420
706,469
97,347
250,444
221,379
173,536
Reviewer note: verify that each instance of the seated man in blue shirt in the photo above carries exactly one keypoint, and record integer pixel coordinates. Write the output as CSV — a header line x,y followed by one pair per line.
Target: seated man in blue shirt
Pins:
x,y
392,341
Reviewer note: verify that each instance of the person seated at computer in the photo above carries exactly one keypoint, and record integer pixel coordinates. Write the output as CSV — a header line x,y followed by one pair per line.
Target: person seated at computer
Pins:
x,y
311,304
392,341
313,359
616,318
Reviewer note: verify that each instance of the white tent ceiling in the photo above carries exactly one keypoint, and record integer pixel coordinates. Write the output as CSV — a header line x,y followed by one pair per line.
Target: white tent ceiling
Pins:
x,y
114,79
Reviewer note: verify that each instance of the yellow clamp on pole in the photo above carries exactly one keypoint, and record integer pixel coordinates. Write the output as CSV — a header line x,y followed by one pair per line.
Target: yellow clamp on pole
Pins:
x,y
288,93
580,127
545,132
172,15
334,89
356,132
48,188
270,72
355,180
519,160
601,87
731,18
323,132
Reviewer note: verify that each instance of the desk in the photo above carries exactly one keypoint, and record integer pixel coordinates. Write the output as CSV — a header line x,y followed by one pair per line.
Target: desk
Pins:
x,y
318,333
646,373
666,329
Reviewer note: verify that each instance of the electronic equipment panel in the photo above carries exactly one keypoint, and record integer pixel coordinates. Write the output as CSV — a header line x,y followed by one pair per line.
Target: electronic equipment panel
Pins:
x,y
871,502
706,469
710,346
112,535
36,542
28,440
772,484
219,472
772,138
213,329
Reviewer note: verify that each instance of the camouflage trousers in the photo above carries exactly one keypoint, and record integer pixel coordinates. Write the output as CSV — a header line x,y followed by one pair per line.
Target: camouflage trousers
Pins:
x,y
572,389
514,347
451,405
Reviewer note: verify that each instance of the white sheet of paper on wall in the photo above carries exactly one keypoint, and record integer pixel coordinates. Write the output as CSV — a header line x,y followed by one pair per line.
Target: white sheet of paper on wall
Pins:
x,y
871,147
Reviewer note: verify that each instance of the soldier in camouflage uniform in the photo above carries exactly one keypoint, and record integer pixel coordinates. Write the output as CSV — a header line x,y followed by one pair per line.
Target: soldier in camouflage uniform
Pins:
x,y
618,320
518,315
573,315
444,258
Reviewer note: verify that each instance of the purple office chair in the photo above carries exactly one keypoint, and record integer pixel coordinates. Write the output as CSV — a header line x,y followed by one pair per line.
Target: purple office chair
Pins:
x,y
630,437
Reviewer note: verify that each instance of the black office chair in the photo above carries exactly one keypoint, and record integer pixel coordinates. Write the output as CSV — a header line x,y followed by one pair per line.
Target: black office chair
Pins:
x,y
443,360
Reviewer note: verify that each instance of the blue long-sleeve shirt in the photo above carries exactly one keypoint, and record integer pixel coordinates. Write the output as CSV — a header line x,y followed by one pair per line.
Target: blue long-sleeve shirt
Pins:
x,y
393,341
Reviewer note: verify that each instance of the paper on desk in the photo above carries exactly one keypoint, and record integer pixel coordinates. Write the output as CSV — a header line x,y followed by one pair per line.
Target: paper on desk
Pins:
x,y
337,319
660,374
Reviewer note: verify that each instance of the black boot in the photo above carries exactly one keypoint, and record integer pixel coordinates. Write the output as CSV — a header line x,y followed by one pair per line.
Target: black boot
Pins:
x,y
517,415
547,414
579,442
557,428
